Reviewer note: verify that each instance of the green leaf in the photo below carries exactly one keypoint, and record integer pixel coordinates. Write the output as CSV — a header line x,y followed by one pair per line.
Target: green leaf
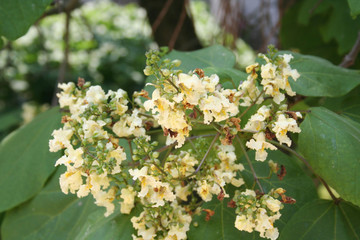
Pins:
x,y
25,160
319,77
230,78
221,225
54,215
10,119
214,56
354,7
323,219
16,16
347,106
331,143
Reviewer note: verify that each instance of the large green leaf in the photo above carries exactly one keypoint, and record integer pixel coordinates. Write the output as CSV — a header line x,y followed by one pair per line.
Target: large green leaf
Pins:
x,y
331,145
221,225
354,7
214,56
229,77
54,215
348,105
323,219
16,16
319,77
25,160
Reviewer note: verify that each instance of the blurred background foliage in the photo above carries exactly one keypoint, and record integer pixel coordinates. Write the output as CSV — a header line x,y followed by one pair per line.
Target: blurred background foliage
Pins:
x,y
104,42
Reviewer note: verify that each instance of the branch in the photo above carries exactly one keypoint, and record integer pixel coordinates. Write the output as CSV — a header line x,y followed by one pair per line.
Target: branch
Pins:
x,y
161,15
178,27
250,164
72,4
350,58
205,156
336,200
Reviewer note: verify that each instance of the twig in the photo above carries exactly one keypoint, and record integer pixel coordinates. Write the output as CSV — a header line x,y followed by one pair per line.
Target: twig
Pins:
x,y
63,67
178,27
131,151
350,58
336,200
205,156
161,15
69,7
246,110
250,164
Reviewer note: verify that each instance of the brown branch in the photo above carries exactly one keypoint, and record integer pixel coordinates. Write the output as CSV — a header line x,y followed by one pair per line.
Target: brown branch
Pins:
x,y
63,67
161,15
350,58
72,5
178,27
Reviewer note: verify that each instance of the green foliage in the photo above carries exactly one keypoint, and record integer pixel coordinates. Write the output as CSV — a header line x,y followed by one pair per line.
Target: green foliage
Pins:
x,y
322,219
17,16
25,162
221,225
229,77
324,29
319,77
354,7
214,56
330,143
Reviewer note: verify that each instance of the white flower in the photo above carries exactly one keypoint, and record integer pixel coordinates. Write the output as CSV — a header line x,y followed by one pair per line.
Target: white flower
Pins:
x,y
128,195
61,139
259,144
95,95
282,125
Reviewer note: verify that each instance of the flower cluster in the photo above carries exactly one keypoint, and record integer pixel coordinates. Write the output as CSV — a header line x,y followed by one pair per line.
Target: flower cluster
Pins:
x,y
177,92
258,213
92,154
171,184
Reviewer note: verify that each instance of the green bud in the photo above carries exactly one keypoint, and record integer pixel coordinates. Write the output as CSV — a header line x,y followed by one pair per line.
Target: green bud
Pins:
x,y
155,154
176,62
147,71
165,72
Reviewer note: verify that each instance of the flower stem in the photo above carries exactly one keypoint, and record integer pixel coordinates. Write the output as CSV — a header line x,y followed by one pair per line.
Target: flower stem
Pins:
x,y
250,164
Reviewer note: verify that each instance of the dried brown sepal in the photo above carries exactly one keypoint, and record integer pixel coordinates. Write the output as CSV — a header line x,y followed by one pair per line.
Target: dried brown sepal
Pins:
x,y
144,94
80,82
199,72
236,122
228,139
209,214
282,173
148,125
287,200
259,194
188,105
221,195
65,119
292,114
269,135
231,204
231,97
170,132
